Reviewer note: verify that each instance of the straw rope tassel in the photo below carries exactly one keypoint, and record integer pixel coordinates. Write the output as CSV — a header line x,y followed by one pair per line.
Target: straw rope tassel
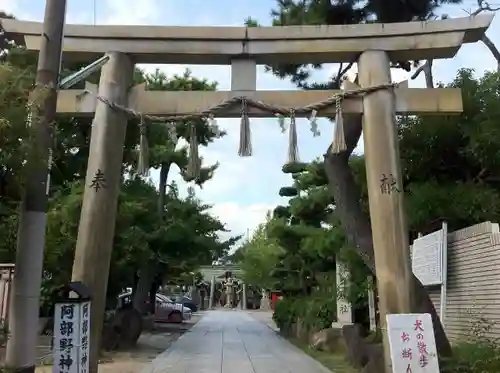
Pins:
x,y
293,150
193,167
339,144
245,149
143,161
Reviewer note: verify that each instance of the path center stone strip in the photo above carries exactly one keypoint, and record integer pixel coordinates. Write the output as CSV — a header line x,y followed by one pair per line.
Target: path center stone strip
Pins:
x,y
232,341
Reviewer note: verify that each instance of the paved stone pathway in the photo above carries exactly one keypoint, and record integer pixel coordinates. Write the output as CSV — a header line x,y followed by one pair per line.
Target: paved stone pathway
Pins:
x,y
233,342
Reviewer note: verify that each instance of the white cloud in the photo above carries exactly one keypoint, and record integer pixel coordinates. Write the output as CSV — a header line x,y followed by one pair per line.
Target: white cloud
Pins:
x,y
240,218
131,12
397,75
10,6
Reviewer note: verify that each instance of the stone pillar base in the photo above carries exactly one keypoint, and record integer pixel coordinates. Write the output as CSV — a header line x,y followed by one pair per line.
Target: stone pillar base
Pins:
x,y
339,324
265,304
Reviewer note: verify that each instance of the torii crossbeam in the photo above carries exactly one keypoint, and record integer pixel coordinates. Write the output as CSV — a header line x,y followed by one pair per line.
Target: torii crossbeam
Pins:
x,y
83,102
264,45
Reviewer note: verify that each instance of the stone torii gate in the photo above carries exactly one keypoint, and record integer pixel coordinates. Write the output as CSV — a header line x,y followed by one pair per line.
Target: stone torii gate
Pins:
x,y
373,46
213,272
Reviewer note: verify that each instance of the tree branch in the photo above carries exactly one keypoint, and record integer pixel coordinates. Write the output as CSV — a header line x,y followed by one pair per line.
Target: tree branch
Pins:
x,y
418,72
493,49
484,6
341,72
426,68
346,69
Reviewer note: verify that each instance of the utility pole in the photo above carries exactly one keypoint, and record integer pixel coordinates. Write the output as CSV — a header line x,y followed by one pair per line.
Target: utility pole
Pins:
x,y
25,298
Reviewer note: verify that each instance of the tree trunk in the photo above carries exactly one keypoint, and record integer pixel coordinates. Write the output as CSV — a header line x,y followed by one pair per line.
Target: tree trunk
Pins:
x,y
140,296
426,68
357,225
429,77
152,293
148,270
164,171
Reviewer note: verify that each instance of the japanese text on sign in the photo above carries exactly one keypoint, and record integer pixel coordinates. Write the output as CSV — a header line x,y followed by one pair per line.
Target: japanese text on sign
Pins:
x,y
84,337
98,181
388,184
428,259
412,343
66,336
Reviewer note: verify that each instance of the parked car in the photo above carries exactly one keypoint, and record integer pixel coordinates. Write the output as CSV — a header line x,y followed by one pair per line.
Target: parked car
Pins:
x,y
186,311
165,309
186,301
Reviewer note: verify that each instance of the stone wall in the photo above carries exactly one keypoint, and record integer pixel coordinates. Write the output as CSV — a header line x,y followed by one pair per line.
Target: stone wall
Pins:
x,y
473,281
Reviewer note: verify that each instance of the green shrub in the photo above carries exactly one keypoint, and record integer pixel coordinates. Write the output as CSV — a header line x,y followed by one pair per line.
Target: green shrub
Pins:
x,y
477,352
4,334
318,312
285,313
473,357
315,312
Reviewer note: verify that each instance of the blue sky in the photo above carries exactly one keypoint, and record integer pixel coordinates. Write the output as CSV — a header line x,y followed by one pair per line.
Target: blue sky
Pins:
x,y
244,189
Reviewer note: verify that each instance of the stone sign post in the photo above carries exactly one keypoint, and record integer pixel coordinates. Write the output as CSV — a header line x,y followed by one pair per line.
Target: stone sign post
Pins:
x,y
71,338
344,309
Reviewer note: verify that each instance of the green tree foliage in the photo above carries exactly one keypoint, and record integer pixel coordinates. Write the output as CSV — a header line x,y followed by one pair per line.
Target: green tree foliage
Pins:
x,y
343,12
295,250
258,258
450,172
163,151
353,219
451,164
312,239
138,233
186,236
300,228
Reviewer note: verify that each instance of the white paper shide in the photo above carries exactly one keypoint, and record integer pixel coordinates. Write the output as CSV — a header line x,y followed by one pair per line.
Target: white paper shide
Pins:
x,y
412,343
71,337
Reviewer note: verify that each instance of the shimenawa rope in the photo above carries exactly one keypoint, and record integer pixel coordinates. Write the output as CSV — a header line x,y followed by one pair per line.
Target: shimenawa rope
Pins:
x,y
245,147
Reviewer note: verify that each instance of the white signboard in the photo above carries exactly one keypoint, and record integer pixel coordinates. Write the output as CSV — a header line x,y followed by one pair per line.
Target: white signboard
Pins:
x,y
83,353
71,337
66,338
428,258
412,343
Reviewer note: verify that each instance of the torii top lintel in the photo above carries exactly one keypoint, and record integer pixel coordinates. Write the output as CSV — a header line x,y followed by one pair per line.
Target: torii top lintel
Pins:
x,y
265,45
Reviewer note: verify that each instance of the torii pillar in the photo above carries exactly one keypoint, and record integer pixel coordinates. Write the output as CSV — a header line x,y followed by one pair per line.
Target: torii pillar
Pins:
x,y
100,199
385,191
212,293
